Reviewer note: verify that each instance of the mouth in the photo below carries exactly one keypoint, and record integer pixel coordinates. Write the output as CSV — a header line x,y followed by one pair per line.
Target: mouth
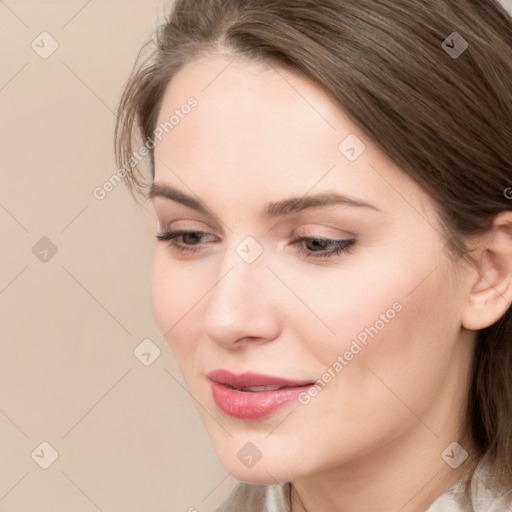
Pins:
x,y
255,389
253,396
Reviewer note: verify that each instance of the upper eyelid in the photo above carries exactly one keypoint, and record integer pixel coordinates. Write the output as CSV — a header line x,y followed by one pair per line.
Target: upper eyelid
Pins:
x,y
317,211
179,232
321,225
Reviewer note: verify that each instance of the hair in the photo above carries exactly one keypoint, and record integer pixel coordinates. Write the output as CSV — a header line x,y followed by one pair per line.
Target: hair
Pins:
x,y
445,120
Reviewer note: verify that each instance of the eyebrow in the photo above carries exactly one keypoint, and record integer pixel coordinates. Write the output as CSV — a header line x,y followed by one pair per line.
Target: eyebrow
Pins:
x,y
277,209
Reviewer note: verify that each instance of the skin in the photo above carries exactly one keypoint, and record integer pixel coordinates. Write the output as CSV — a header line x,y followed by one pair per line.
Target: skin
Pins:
x,y
372,438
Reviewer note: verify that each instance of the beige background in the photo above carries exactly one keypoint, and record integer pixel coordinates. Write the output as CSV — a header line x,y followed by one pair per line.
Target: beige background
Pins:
x,y
127,435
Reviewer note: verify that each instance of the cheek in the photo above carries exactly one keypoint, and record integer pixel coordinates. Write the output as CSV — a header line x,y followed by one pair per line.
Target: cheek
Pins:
x,y
391,295
358,303
174,294
393,330
163,294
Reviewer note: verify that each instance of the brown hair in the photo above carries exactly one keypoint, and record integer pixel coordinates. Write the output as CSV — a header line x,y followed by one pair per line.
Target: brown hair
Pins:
x,y
445,119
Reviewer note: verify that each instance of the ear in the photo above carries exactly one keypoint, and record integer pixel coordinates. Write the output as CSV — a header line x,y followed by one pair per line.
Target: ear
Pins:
x,y
491,293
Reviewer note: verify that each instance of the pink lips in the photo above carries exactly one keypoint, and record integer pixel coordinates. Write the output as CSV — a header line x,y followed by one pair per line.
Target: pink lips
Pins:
x,y
252,396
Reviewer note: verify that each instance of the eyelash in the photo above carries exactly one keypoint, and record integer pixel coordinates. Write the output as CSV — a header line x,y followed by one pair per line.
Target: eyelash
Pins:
x,y
339,246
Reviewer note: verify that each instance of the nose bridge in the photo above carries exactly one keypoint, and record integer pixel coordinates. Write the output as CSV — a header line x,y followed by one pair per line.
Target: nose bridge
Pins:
x,y
239,303
235,286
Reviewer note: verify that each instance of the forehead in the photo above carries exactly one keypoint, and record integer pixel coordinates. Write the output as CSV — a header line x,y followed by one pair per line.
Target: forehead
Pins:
x,y
247,102
259,126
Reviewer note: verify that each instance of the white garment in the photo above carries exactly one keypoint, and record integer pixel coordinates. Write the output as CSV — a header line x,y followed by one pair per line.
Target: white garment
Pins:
x,y
479,494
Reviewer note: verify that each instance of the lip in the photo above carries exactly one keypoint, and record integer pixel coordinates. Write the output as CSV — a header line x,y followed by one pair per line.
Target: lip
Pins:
x,y
252,405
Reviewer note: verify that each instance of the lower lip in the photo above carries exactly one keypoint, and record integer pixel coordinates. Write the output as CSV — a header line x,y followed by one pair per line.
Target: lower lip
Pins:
x,y
253,405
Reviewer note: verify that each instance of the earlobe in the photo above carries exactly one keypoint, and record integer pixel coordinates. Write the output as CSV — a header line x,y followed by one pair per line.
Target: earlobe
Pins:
x,y
491,294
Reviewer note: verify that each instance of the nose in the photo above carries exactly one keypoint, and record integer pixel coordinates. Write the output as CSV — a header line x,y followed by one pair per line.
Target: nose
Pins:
x,y
241,305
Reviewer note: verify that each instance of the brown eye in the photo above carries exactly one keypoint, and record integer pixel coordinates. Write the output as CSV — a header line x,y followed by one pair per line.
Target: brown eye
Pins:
x,y
323,247
190,239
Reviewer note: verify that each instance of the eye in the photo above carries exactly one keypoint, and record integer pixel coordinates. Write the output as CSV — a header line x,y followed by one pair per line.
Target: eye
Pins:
x,y
323,247
189,239
311,247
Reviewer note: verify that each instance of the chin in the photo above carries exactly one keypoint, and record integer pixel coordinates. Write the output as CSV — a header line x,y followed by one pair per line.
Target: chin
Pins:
x,y
260,476
266,471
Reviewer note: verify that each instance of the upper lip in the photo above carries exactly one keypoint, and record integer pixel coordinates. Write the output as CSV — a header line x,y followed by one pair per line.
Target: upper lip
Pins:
x,y
249,379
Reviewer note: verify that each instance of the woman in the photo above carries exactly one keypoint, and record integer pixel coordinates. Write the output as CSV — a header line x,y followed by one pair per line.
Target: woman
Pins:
x,y
332,182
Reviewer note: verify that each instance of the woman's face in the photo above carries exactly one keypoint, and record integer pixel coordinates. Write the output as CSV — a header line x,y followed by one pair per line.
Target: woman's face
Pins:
x,y
374,316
